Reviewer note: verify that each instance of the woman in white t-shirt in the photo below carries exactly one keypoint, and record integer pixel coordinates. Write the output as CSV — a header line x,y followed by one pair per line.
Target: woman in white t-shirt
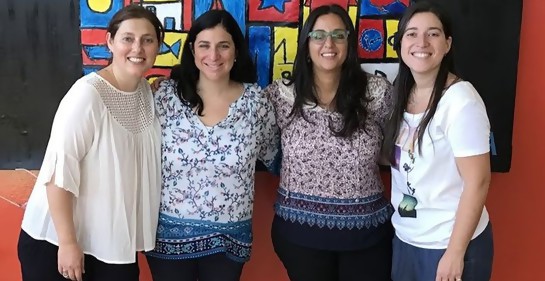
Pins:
x,y
96,200
438,143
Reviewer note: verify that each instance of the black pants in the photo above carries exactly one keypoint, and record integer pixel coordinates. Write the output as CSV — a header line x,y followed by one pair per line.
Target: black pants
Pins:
x,y
307,264
38,260
217,267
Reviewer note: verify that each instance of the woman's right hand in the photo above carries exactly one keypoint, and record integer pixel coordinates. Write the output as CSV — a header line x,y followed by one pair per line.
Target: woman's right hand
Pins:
x,y
155,84
70,261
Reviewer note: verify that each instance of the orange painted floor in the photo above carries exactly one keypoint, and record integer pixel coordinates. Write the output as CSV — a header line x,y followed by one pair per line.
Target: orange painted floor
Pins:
x,y
16,185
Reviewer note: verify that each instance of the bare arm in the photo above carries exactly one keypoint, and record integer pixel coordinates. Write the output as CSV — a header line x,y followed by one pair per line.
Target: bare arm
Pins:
x,y
475,172
60,207
70,255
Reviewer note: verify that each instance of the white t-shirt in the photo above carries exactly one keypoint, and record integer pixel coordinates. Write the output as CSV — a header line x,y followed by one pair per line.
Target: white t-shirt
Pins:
x,y
105,149
426,189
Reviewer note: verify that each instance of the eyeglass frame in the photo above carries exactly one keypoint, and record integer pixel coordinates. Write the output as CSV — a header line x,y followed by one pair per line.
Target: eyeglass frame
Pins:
x,y
329,34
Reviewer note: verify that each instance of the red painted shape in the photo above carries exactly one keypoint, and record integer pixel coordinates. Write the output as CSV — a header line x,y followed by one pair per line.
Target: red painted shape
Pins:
x,y
93,36
366,24
381,3
87,61
187,14
217,5
271,14
156,72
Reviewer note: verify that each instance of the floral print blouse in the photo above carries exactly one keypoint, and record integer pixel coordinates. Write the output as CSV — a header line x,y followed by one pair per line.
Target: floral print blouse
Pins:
x,y
208,174
328,181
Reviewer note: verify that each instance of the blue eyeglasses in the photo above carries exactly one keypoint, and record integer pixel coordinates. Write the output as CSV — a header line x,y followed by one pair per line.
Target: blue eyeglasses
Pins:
x,y
337,35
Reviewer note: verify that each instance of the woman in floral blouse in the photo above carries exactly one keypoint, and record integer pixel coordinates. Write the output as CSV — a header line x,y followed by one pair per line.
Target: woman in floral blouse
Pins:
x,y
215,124
332,220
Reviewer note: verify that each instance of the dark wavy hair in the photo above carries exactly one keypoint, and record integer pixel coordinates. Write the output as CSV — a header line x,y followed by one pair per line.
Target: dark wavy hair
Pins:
x,y
350,100
187,74
404,81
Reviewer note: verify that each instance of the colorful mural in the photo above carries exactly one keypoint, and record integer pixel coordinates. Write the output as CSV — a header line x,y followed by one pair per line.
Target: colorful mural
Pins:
x,y
271,28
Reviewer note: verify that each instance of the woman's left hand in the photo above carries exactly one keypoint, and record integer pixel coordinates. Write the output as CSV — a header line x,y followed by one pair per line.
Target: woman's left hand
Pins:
x,y
450,267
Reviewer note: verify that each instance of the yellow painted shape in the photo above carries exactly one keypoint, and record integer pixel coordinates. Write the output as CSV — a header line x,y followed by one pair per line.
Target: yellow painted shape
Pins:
x,y
99,6
353,12
391,28
170,59
306,12
285,48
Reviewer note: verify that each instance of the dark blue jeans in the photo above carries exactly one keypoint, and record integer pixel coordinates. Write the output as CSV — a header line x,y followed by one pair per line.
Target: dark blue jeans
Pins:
x,y
410,263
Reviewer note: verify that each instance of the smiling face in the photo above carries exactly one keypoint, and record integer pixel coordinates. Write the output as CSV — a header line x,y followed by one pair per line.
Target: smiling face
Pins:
x,y
214,52
424,44
134,47
329,54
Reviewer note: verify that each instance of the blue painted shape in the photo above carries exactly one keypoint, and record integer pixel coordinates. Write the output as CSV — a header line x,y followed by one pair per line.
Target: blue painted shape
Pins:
x,y
367,9
371,40
174,48
170,23
236,8
92,19
97,52
394,8
89,69
493,150
201,6
164,49
279,5
260,51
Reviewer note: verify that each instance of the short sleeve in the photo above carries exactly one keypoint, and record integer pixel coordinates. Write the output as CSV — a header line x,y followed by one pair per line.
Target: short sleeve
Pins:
x,y
382,100
468,130
272,93
269,137
72,135
163,99
280,102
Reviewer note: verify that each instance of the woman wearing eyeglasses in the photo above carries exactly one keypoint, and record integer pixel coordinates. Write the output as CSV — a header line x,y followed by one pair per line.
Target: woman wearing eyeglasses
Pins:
x,y
332,220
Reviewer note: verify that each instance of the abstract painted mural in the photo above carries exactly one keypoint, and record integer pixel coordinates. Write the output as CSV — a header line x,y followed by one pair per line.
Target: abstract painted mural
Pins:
x,y
271,28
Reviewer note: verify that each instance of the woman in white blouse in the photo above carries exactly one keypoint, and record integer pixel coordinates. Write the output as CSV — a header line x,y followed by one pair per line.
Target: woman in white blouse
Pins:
x,y
215,124
95,202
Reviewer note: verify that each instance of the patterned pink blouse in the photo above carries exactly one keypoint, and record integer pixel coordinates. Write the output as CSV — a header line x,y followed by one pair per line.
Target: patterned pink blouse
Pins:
x,y
327,180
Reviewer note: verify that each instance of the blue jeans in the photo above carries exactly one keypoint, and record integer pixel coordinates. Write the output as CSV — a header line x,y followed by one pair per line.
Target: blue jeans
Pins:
x,y
410,263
